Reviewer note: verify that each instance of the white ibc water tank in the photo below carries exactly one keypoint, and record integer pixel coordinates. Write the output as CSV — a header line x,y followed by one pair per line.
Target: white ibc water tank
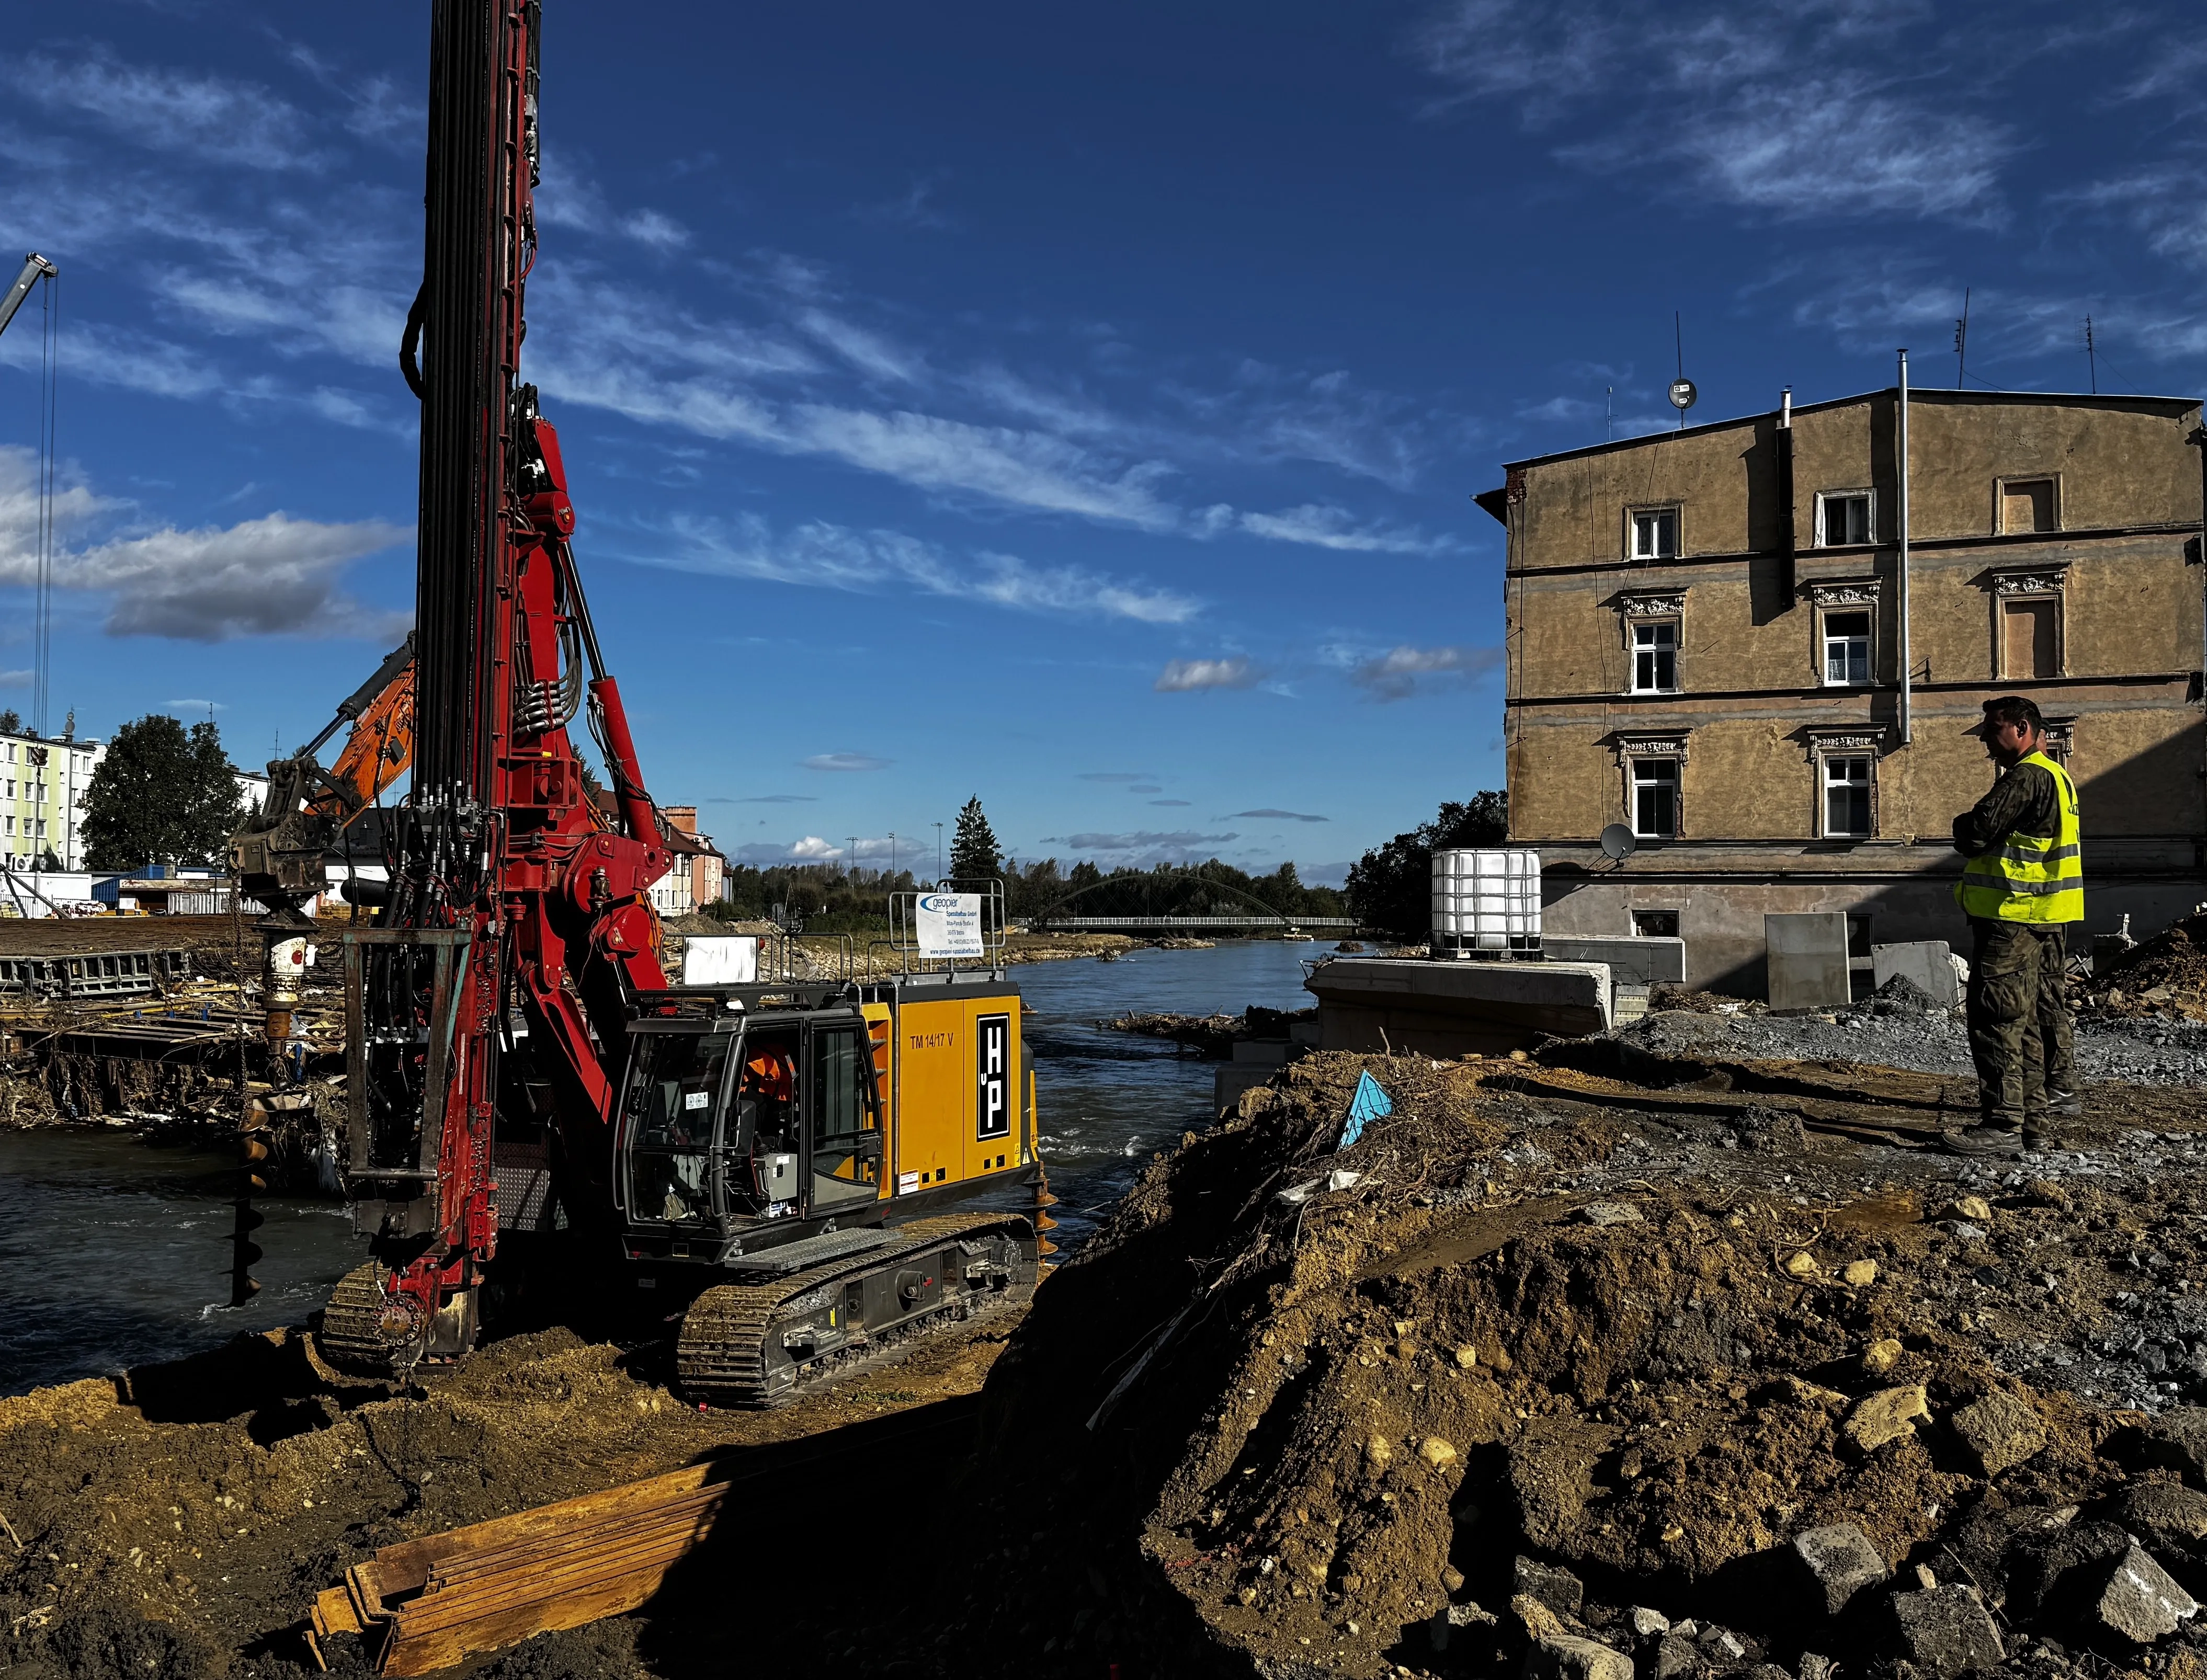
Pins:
x,y
1487,901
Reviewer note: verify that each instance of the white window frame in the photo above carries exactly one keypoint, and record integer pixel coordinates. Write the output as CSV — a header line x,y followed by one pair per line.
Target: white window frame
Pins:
x,y
1824,537
1655,510
1827,783
1634,782
1826,637
1634,648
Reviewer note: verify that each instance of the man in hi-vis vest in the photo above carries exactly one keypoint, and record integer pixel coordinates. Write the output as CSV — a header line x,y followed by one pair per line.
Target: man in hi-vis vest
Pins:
x,y
2023,886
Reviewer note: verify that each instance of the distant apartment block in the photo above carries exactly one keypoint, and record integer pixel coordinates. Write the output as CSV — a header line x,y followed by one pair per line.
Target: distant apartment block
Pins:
x,y
693,881
1704,644
42,789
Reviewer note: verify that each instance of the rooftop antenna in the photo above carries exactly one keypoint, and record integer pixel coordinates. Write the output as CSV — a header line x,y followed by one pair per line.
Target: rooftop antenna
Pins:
x,y
2091,356
1961,342
1609,409
1681,388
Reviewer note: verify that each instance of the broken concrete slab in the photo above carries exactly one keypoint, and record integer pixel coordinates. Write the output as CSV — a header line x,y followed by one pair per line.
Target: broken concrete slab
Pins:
x,y
1387,1005
1452,1619
1946,1631
1633,961
1677,1656
1568,1657
1559,1589
2177,1439
2139,1602
1808,959
1839,1560
2000,1432
1925,964
2169,1517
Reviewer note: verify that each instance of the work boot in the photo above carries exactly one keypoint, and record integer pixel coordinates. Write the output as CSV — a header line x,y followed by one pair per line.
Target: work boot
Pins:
x,y
1987,1137
2064,1104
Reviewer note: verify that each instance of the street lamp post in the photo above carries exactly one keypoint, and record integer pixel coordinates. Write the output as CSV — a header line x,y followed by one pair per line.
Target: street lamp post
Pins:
x,y
851,864
938,854
893,854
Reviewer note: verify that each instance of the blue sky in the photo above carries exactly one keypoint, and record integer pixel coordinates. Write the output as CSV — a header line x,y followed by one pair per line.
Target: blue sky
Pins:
x,y
1077,409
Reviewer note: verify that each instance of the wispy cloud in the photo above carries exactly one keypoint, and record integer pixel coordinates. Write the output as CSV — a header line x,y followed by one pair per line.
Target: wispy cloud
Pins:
x,y
271,576
770,799
1282,816
819,555
1139,840
1397,673
1814,111
1336,527
1188,676
844,760
171,110
1115,775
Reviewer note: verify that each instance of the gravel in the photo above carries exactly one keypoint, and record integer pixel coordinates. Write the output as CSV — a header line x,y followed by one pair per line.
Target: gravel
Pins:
x,y
2147,1051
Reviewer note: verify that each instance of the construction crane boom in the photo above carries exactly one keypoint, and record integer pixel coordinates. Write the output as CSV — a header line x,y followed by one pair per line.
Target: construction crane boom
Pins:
x,y
35,269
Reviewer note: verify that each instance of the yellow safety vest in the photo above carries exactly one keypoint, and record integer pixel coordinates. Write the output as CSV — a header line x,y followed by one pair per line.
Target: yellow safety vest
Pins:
x,y
2030,877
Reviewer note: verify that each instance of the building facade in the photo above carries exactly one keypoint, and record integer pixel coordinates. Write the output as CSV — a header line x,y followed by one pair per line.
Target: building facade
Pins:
x,y
1704,645
42,789
693,878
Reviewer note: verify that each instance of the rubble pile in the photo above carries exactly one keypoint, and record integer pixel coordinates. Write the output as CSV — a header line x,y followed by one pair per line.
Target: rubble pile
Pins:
x,y
1517,1384
2165,976
1212,1035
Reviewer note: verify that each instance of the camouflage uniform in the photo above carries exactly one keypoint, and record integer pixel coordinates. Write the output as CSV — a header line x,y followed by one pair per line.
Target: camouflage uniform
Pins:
x,y
2020,1025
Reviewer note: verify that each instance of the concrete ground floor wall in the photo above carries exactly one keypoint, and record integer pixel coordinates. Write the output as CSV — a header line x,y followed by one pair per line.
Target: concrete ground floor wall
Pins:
x,y
1720,895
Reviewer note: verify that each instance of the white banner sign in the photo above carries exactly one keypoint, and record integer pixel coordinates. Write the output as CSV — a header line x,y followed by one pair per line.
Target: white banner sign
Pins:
x,y
950,925
720,960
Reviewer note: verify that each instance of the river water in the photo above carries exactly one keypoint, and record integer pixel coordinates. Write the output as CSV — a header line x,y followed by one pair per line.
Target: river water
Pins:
x,y
113,1250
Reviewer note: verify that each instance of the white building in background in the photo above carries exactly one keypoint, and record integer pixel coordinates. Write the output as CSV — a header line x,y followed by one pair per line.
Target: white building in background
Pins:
x,y
42,789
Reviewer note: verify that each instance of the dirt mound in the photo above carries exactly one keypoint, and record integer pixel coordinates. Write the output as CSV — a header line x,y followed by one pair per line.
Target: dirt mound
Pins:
x,y
1642,1354
2166,974
176,1521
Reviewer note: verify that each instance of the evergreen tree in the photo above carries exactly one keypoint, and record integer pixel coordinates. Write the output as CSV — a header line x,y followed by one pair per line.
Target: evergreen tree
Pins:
x,y
11,722
161,794
1390,886
974,854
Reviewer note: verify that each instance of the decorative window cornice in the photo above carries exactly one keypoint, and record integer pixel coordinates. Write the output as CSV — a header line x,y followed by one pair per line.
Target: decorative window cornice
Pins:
x,y
1824,739
1853,592
1637,743
2044,580
1670,604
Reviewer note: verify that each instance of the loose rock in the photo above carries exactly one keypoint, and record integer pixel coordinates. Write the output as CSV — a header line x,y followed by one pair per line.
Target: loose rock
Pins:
x,y
1887,1415
2001,1430
1560,1590
1946,1631
1567,1657
2139,1602
1839,1561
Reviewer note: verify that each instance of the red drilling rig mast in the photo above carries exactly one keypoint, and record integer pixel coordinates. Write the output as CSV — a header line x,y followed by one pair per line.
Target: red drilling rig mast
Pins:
x,y
511,895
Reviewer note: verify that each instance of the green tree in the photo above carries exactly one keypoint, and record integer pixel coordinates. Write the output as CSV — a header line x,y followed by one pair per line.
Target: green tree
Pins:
x,y
161,794
1390,886
974,853
11,722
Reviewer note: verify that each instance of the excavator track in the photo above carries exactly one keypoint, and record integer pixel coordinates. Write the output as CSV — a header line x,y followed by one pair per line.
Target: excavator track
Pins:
x,y
763,1344
352,1335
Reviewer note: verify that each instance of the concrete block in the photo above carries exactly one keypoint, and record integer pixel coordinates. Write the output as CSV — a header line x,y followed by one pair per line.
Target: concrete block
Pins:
x,y
1925,963
1305,1033
1808,959
1634,961
1384,1004
1567,1657
1837,1561
1946,1631
1232,1078
1263,1052
2139,1601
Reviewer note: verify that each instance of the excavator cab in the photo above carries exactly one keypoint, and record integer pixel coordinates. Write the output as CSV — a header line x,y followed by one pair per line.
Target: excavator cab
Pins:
x,y
734,1124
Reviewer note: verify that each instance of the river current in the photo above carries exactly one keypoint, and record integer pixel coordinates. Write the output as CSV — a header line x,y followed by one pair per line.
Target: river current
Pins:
x,y
113,1250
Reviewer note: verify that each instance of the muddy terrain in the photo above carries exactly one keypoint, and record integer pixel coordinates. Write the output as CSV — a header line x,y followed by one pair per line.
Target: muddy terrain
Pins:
x,y
1604,1363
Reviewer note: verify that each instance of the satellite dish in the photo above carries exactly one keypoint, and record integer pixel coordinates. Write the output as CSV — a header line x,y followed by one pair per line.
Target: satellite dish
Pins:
x,y
1682,394
1617,842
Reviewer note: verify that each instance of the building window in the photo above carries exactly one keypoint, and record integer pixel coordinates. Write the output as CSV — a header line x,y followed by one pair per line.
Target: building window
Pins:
x,y
1654,924
1843,517
1847,784
2029,636
1846,649
1655,658
1655,532
2027,504
1656,797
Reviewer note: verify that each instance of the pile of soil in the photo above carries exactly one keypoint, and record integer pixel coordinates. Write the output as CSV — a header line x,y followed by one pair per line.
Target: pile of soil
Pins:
x,y
2167,975
1627,1357
178,1520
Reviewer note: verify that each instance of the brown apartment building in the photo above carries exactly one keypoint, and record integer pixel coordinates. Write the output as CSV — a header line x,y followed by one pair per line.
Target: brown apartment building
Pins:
x,y
1705,638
